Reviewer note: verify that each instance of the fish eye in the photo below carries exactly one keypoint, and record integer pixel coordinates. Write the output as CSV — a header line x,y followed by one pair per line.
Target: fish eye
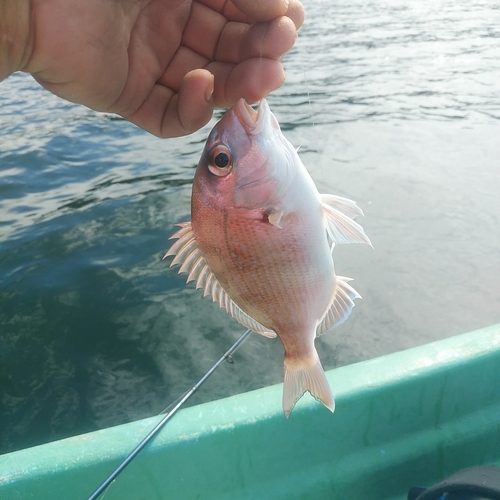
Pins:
x,y
220,161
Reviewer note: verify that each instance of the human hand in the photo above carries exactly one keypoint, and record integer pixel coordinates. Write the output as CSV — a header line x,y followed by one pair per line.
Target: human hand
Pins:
x,y
162,64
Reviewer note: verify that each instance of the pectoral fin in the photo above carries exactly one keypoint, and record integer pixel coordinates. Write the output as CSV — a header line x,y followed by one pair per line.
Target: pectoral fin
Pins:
x,y
188,255
274,217
341,306
340,227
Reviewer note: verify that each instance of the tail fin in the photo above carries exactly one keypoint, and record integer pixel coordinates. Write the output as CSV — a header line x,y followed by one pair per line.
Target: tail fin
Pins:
x,y
302,377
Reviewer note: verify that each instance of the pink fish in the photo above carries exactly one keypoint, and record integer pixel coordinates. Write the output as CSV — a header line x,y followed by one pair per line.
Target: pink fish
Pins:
x,y
260,243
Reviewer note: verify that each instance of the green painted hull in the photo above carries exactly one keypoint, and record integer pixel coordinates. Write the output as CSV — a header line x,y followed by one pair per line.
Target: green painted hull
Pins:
x,y
402,420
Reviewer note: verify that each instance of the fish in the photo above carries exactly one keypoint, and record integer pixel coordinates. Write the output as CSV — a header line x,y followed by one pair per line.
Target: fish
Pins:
x,y
260,243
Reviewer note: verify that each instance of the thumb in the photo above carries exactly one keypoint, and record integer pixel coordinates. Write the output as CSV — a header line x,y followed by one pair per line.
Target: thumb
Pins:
x,y
168,114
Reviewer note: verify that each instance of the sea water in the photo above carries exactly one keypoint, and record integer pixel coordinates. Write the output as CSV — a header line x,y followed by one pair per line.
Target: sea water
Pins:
x,y
394,104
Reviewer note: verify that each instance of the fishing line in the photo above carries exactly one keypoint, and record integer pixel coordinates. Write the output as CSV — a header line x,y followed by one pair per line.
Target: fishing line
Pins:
x,y
311,115
176,405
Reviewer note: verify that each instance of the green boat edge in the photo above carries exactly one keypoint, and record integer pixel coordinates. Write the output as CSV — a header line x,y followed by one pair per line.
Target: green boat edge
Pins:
x,y
406,419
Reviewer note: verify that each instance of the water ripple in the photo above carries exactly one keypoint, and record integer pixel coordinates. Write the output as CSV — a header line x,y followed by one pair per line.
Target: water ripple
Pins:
x,y
394,104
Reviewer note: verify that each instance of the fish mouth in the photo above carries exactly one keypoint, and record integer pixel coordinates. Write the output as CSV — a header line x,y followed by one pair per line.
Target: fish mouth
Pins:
x,y
251,120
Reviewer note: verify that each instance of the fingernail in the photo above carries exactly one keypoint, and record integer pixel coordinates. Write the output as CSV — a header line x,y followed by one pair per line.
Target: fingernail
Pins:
x,y
210,90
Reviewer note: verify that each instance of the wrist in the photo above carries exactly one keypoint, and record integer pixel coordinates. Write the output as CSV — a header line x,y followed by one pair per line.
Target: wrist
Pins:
x,y
15,36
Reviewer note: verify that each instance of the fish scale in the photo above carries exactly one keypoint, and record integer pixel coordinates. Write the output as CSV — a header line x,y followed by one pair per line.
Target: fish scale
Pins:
x,y
269,284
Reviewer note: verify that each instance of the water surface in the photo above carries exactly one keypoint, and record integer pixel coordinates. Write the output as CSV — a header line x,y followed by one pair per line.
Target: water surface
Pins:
x,y
394,104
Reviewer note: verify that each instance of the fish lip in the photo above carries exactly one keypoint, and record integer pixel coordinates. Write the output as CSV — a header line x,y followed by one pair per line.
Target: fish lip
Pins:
x,y
252,121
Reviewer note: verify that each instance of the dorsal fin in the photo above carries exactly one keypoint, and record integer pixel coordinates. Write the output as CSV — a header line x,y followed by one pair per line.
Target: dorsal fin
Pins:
x,y
187,253
341,306
340,227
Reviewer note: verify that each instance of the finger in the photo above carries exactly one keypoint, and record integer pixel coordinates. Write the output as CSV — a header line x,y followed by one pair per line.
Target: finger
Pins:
x,y
266,10
269,40
184,61
167,114
253,79
296,13
195,106
203,30
262,10
249,11
209,34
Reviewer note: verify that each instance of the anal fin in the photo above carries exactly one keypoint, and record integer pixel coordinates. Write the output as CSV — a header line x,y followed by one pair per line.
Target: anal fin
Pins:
x,y
341,306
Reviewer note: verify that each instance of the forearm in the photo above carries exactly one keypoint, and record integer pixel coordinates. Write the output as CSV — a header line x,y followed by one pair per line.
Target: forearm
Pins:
x,y
15,36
